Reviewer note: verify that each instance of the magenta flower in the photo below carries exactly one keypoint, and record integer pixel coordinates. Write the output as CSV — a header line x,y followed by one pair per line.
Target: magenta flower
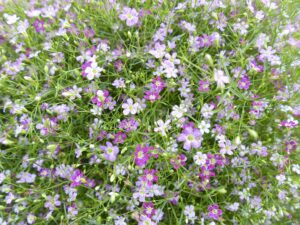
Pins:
x,y
110,151
149,209
214,212
244,83
130,15
141,155
191,137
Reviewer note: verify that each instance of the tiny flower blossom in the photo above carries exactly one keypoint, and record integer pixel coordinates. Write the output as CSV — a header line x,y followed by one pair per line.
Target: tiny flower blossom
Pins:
x,y
130,15
110,151
214,212
191,137
162,127
200,158
141,155
149,209
220,78
130,107
189,212
158,51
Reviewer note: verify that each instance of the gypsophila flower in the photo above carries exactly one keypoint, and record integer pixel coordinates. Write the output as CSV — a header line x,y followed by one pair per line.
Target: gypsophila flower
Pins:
x,y
162,126
200,158
130,15
130,107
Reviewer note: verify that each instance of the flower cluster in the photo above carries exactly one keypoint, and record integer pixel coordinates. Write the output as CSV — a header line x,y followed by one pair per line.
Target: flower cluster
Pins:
x,y
149,112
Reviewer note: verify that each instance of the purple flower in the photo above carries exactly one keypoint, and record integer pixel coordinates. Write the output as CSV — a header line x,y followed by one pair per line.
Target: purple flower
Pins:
x,y
191,137
214,212
152,96
130,15
77,178
178,161
25,177
110,151
204,85
141,155
158,84
52,202
39,26
244,83
290,145
100,98
149,209
72,210
129,124
119,138
150,176
158,51
205,40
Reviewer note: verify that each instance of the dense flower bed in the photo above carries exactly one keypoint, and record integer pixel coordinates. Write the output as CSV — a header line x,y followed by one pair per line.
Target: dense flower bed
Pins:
x,y
149,112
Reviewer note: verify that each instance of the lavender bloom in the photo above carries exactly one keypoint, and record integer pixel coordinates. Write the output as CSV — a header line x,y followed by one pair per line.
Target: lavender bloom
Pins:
x,y
52,202
130,15
191,137
25,177
110,151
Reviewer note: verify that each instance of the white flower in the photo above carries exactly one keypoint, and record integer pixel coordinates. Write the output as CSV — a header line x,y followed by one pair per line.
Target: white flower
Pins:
x,y
281,178
200,158
97,111
178,111
130,107
189,212
93,71
207,111
162,126
296,168
220,78
204,127
22,26
10,19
